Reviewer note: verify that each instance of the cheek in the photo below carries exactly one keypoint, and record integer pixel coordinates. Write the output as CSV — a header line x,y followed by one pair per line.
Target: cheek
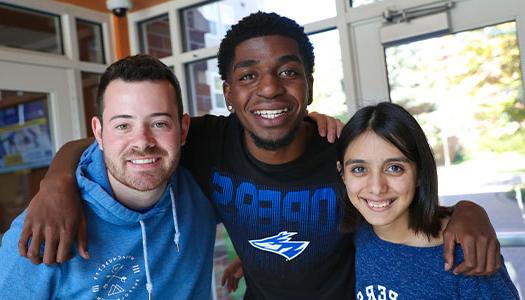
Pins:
x,y
353,188
404,186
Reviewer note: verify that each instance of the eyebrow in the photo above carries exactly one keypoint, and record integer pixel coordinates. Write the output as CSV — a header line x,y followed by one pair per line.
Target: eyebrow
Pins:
x,y
362,161
158,114
251,62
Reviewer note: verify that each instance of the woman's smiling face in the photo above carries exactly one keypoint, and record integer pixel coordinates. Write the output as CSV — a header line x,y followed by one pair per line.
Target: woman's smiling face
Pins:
x,y
380,180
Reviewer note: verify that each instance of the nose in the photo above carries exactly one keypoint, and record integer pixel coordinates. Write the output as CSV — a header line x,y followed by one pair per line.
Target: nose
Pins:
x,y
270,86
377,184
143,139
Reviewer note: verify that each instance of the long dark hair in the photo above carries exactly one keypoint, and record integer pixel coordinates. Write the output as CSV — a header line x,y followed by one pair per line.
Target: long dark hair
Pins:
x,y
397,126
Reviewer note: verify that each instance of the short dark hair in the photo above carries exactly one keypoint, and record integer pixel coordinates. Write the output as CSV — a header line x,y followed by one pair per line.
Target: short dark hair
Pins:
x,y
397,126
261,24
134,68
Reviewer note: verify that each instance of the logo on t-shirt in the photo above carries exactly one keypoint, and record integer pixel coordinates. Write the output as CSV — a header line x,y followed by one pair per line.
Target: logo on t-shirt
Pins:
x,y
116,278
281,244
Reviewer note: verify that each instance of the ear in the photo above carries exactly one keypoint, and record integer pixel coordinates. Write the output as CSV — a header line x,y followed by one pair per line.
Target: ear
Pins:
x,y
226,89
96,126
340,169
185,126
310,82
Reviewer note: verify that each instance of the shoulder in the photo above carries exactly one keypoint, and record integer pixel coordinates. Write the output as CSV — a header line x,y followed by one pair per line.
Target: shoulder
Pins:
x,y
496,286
18,276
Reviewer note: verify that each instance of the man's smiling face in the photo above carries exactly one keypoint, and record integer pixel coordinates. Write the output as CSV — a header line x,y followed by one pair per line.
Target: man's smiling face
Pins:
x,y
141,135
269,89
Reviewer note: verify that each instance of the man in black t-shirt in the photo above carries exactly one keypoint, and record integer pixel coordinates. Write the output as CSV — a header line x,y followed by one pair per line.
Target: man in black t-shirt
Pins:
x,y
271,178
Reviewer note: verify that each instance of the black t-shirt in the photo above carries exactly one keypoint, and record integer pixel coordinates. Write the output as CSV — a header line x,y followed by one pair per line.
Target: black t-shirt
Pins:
x,y
283,219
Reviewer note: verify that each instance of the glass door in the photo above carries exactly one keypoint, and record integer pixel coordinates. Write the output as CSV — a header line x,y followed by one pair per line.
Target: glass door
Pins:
x,y
465,89
37,115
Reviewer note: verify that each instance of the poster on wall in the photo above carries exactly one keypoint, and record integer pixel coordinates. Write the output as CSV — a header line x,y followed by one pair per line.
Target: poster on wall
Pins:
x,y
25,139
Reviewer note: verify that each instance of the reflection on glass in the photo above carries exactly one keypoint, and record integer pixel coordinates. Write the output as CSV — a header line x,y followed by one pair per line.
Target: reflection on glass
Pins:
x,y
205,25
205,86
25,147
89,93
356,3
90,45
329,97
155,36
466,91
29,29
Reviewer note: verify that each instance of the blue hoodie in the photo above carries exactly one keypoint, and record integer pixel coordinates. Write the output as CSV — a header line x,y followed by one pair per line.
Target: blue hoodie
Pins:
x,y
165,252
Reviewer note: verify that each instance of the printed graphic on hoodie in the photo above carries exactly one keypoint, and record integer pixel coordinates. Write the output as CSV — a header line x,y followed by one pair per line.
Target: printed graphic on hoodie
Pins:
x,y
116,278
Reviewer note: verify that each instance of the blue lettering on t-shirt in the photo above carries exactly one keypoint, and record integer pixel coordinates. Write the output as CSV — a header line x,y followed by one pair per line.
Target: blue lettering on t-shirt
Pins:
x,y
271,209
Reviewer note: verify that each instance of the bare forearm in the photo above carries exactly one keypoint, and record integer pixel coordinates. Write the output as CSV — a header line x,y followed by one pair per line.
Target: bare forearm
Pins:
x,y
67,157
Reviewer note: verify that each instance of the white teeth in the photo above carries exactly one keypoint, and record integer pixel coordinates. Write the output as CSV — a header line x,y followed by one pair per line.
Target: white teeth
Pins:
x,y
143,161
377,204
270,114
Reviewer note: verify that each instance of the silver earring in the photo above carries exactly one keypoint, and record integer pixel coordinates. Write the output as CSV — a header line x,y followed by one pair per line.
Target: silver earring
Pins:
x,y
230,107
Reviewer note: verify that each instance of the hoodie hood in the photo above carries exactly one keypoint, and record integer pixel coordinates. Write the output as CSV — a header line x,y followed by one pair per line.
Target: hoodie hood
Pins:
x,y
92,179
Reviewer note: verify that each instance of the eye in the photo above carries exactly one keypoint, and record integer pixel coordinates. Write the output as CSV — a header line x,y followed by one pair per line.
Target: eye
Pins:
x,y
159,125
395,169
288,73
122,126
358,170
247,77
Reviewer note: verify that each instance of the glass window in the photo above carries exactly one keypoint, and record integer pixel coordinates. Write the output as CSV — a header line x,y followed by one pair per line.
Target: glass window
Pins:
x,y
89,92
155,36
205,86
90,44
329,97
29,29
465,90
205,25
25,150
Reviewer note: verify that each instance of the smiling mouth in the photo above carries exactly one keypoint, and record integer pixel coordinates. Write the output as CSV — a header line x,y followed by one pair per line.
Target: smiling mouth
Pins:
x,y
143,161
383,204
270,114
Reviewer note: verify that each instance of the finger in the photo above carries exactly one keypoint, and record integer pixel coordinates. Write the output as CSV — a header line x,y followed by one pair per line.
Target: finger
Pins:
x,y
25,236
469,257
448,249
493,257
33,253
82,238
238,274
224,278
331,131
50,250
481,257
63,249
340,126
321,124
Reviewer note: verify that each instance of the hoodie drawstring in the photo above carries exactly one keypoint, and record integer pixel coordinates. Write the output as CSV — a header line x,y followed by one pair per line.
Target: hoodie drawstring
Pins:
x,y
149,285
175,222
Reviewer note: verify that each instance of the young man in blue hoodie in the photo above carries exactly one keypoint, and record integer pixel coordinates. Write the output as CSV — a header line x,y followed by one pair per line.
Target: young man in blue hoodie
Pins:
x,y
151,229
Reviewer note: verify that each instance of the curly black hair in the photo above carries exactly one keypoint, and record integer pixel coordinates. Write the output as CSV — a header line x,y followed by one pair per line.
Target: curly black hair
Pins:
x,y
261,24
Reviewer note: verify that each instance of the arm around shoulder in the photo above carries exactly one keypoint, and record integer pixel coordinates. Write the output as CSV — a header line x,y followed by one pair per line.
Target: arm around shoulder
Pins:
x,y
55,213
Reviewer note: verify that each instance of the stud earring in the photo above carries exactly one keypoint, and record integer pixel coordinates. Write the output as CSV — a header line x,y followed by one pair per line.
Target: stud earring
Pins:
x,y
230,108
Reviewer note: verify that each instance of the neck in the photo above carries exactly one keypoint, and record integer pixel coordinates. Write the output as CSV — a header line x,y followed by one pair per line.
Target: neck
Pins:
x,y
134,199
284,154
400,233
